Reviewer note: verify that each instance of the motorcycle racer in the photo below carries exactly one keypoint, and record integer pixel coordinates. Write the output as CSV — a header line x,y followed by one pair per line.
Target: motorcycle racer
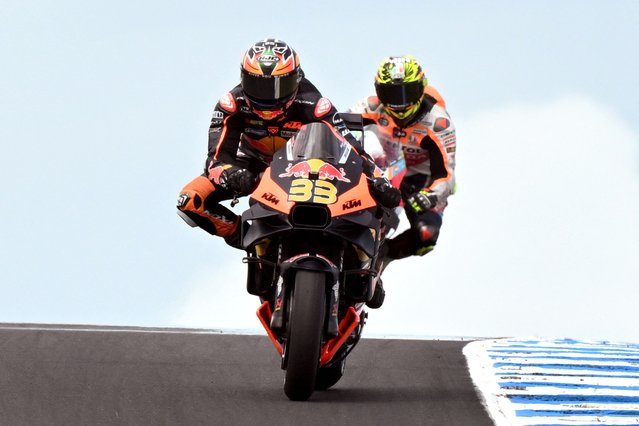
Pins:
x,y
409,115
250,123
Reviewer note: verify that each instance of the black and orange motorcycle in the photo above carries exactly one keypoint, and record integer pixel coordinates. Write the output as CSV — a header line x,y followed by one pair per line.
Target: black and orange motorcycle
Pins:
x,y
312,233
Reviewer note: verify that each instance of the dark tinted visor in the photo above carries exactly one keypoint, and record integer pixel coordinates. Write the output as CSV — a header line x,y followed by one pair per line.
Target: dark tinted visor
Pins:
x,y
268,89
400,95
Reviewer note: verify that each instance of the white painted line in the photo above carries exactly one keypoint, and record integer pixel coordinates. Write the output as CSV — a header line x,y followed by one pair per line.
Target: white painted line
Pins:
x,y
526,382
483,376
580,420
529,370
574,380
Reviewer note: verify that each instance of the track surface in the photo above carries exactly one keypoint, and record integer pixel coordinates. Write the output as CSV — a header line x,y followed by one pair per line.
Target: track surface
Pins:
x,y
152,376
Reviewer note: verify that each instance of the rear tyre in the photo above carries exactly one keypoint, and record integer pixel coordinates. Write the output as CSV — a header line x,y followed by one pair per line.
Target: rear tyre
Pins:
x,y
306,322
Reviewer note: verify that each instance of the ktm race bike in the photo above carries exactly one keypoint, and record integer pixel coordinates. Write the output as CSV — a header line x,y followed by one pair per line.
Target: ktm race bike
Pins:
x,y
312,233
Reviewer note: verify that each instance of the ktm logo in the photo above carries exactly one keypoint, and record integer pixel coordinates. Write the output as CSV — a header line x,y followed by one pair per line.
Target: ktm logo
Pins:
x,y
292,125
350,204
270,198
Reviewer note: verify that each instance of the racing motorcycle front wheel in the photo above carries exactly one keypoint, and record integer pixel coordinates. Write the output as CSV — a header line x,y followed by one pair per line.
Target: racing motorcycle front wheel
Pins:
x,y
306,323
328,376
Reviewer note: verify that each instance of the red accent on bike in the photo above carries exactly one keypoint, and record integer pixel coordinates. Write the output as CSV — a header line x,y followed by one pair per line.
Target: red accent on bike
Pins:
x,y
329,172
346,327
264,314
302,169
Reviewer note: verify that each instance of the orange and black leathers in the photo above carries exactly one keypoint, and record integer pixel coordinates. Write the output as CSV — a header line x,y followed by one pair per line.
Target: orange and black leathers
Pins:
x,y
239,137
428,142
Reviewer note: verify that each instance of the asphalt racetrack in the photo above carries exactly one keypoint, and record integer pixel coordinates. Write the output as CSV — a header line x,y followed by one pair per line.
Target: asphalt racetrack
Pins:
x,y
71,375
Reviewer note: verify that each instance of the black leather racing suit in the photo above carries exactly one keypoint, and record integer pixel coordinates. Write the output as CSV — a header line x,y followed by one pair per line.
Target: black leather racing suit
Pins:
x,y
240,137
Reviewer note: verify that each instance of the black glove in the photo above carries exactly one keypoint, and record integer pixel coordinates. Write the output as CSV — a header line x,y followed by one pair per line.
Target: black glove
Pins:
x,y
239,181
422,201
384,193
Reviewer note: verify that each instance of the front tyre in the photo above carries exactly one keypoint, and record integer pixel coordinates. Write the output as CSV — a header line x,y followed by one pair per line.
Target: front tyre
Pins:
x,y
306,322
328,376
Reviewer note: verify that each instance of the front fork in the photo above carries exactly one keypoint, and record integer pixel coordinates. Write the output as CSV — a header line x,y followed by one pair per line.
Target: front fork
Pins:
x,y
277,318
277,322
346,327
336,331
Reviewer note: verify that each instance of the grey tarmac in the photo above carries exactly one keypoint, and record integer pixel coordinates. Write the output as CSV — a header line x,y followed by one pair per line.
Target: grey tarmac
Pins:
x,y
85,375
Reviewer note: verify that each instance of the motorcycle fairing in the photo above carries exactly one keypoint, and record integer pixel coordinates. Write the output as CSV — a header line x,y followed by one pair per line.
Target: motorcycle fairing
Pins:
x,y
311,262
337,183
355,205
265,223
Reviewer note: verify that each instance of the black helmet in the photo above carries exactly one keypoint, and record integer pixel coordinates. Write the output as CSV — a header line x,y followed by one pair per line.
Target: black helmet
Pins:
x,y
270,77
399,84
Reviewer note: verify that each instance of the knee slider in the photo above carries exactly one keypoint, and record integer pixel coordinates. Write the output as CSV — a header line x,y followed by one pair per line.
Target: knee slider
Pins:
x,y
194,193
190,200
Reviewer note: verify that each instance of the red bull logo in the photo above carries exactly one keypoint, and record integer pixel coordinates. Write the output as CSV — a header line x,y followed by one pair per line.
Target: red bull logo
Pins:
x,y
322,169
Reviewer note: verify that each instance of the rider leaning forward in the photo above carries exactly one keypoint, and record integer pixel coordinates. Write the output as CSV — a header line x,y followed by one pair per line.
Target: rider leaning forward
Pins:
x,y
409,114
250,123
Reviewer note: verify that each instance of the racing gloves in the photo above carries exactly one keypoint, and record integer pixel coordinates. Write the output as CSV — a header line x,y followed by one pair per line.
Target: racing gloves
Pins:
x,y
238,180
422,201
384,193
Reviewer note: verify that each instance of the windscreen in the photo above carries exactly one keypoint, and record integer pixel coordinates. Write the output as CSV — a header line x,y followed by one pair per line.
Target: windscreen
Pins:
x,y
318,140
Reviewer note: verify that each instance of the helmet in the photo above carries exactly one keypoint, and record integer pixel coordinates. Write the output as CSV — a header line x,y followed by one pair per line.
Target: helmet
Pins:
x,y
270,76
399,84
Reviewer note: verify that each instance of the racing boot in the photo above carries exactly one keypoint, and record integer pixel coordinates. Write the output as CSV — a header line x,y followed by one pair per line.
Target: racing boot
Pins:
x,y
382,261
379,295
234,239
383,257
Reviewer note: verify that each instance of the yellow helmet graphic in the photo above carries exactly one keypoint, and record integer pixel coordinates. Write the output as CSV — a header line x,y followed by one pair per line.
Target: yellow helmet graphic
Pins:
x,y
399,84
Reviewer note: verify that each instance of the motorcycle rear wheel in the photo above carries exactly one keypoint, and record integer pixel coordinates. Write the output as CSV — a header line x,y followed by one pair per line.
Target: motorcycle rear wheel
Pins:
x,y
306,323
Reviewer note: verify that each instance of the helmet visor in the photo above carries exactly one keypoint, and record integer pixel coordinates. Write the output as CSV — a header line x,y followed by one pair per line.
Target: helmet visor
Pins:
x,y
400,96
268,90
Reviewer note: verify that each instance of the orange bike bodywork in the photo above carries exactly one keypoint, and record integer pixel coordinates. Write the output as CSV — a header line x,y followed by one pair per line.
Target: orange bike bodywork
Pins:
x,y
330,348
